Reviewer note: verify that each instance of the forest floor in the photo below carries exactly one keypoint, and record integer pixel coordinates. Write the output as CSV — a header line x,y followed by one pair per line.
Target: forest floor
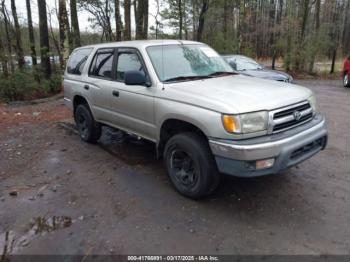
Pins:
x,y
59,195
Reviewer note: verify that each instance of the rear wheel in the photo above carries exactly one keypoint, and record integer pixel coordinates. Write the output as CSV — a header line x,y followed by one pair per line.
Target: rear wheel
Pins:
x,y
89,129
346,80
191,165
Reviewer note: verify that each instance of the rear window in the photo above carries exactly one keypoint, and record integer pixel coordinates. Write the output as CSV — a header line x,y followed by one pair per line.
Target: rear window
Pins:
x,y
77,61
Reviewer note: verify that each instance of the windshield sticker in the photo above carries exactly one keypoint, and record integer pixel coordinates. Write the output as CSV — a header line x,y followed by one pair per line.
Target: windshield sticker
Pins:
x,y
209,52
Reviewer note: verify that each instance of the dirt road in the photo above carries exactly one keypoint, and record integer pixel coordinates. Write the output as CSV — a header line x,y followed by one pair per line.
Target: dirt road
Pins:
x,y
59,195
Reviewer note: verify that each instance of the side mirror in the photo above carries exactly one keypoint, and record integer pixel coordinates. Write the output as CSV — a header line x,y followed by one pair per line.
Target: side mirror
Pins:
x,y
134,78
233,65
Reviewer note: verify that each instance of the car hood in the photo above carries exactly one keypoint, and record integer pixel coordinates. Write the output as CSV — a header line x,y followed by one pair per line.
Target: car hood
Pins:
x,y
267,74
236,94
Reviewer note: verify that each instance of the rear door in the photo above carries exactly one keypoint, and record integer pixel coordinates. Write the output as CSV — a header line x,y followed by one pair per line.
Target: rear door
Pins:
x,y
100,82
133,106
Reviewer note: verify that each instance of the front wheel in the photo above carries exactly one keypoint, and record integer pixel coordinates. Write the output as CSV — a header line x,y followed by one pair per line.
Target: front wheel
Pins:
x,y
191,165
346,80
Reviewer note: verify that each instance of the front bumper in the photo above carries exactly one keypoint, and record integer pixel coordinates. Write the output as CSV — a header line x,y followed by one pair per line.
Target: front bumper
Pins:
x,y
288,149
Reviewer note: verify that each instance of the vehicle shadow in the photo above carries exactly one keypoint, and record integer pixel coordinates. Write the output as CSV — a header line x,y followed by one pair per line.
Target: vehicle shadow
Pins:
x,y
135,151
274,192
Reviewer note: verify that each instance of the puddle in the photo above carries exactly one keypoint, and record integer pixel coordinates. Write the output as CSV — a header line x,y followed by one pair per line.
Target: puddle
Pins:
x,y
11,242
42,224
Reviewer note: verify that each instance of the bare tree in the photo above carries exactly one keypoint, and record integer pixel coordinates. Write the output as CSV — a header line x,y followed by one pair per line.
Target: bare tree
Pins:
x,y
139,18
19,49
145,18
127,20
75,32
156,18
31,33
118,21
100,11
7,26
64,32
44,39
3,57
179,6
201,20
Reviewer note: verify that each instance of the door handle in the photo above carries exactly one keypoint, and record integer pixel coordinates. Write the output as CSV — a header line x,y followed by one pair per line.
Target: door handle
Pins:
x,y
115,93
86,87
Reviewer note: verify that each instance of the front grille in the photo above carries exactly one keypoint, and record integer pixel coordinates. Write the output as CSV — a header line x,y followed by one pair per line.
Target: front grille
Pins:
x,y
291,116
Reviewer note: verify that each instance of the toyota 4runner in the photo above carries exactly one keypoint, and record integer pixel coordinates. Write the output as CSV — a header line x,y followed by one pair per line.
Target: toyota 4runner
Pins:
x,y
203,118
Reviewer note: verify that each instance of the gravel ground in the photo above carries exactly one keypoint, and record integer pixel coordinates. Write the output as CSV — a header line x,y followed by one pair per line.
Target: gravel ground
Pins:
x,y
59,195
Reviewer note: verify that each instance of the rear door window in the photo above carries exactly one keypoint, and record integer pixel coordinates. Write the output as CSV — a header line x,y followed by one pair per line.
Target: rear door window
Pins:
x,y
77,61
102,64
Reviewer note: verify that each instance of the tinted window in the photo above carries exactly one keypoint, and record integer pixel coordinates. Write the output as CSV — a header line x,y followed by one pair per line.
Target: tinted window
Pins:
x,y
102,64
128,62
77,61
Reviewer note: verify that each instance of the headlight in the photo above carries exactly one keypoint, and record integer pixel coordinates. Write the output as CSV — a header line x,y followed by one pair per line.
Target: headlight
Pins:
x,y
245,123
312,101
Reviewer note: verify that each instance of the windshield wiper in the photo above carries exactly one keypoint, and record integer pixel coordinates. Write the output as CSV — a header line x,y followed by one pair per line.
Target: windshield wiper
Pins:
x,y
222,73
185,78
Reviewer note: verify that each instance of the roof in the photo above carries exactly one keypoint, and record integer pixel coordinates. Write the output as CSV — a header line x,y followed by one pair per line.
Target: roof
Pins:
x,y
141,43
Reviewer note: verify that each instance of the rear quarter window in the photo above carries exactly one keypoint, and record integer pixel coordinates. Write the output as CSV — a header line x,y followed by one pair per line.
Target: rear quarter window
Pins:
x,y
78,60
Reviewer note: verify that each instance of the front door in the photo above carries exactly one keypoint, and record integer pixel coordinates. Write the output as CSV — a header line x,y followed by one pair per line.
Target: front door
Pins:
x,y
132,106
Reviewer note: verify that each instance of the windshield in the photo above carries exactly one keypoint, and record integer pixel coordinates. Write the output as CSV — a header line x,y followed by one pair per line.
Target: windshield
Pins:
x,y
246,64
178,62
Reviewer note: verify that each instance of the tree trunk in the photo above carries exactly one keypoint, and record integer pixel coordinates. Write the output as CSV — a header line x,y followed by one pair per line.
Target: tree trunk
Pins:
x,y
204,9
316,38
194,19
118,21
44,39
19,49
139,19
64,32
3,58
145,18
75,24
334,56
299,57
109,36
127,18
225,20
179,2
31,33
7,33
55,42
346,30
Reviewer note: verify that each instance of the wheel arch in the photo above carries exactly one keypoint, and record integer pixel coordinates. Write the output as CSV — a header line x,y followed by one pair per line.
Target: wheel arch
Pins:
x,y
173,126
78,100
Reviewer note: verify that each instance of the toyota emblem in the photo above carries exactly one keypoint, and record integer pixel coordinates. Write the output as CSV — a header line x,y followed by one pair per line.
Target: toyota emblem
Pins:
x,y
297,115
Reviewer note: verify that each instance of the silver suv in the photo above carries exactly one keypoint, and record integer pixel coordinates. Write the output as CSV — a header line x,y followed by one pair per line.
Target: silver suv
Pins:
x,y
203,118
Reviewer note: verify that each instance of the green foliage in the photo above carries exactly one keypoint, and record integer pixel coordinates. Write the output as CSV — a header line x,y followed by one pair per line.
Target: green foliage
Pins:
x,y
22,85
224,46
53,85
17,86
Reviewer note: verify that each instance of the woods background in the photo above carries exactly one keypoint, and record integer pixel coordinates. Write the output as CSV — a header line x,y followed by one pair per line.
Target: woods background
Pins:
x,y
295,34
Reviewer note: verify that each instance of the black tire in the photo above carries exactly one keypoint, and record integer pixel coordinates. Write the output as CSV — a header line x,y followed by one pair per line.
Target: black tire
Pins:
x,y
89,129
346,80
197,176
